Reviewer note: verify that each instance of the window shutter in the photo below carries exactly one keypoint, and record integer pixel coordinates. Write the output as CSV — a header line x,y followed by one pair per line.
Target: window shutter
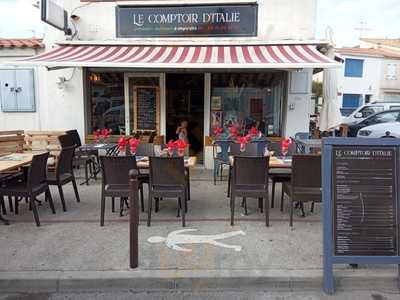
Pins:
x,y
351,100
25,90
7,91
354,67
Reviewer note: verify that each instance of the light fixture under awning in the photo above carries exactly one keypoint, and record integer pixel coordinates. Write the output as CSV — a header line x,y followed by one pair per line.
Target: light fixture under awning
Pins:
x,y
185,57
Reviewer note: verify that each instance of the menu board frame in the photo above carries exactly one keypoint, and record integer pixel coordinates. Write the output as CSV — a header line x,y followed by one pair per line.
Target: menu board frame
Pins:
x,y
136,91
330,256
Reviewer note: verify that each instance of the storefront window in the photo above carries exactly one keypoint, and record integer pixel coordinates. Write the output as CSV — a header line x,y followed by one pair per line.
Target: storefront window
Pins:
x,y
246,100
106,107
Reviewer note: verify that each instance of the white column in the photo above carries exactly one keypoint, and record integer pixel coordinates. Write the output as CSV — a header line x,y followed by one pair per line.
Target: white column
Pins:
x,y
163,105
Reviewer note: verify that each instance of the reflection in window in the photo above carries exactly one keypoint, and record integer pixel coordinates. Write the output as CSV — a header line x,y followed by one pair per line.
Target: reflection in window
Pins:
x,y
246,100
106,107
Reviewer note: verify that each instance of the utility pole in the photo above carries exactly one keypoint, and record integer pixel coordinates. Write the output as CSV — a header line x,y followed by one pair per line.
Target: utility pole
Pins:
x,y
362,28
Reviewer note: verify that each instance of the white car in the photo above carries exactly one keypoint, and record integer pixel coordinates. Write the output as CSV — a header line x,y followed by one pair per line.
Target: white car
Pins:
x,y
380,130
367,110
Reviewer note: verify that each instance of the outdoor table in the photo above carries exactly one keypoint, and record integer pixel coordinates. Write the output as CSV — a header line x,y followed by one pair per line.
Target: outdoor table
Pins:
x,y
306,145
143,162
274,162
109,148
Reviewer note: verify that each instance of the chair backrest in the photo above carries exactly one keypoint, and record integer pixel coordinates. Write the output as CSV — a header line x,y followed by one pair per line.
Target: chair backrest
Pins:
x,y
37,170
167,171
145,149
66,141
250,170
306,171
64,162
302,136
75,137
251,150
116,169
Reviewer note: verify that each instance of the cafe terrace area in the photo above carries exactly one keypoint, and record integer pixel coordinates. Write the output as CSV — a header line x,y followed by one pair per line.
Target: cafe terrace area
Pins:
x,y
70,250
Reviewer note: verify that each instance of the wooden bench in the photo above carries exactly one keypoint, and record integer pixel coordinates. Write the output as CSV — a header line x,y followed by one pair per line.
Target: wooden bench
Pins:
x,y
11,141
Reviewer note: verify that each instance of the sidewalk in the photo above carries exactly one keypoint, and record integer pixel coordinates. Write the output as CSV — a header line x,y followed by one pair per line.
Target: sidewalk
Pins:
x,y
71,251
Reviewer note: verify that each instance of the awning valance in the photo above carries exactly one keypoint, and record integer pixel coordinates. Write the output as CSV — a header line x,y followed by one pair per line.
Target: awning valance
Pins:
x,y
184,57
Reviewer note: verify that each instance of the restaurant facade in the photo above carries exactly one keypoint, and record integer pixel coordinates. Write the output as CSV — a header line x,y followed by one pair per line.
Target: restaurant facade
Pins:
x,y
145,66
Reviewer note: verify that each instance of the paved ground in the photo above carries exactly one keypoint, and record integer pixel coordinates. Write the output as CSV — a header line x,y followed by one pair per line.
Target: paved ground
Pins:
x,y
214,295
74,242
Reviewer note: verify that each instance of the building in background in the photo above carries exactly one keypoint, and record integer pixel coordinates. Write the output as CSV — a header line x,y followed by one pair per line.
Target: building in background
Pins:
x,y
19,99
145,66
370,72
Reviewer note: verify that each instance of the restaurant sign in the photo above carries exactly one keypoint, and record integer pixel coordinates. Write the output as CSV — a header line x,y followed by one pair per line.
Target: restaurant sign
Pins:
x,y
184,21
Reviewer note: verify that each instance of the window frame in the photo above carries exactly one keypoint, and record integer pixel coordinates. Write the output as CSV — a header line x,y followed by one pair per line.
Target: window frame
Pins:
x,y
351,71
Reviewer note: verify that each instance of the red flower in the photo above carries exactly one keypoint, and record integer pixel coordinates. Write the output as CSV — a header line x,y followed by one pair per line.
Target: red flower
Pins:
x,y
253,131
218,131
122,143
171,145
285,145
181,144
133,143
243,140
233,131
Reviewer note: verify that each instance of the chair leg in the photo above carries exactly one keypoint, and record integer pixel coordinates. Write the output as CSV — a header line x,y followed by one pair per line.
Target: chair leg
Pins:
x,y
50,199
312,206
232,209
215,171
10,204
221,171
291,213
34,209
303,214
188,183
183,212
78,199
229,182
267,211
3,205
60,190
282,198
102,209
245,206
113,204
261,204
149,204
86,174
273,194
16,205
157,205
141,197
121,206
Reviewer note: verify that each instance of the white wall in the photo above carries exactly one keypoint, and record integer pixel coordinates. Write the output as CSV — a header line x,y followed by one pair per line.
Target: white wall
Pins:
x,y
369,84
23,120
277,20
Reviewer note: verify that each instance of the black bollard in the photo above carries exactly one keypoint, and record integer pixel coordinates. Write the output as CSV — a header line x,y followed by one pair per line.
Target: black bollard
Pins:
x,y
133,219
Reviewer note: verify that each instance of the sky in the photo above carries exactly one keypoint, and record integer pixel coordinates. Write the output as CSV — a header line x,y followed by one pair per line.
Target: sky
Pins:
x,y
18,18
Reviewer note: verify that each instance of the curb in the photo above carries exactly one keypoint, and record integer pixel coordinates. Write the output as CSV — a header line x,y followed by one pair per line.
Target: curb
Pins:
x,y
278,280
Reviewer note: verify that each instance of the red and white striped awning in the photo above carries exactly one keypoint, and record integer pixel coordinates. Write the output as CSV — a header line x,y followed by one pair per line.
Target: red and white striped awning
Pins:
x,y
182,57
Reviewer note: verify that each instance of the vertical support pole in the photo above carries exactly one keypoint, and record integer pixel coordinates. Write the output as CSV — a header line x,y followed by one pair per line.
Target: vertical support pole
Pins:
x,y
133,219
329,287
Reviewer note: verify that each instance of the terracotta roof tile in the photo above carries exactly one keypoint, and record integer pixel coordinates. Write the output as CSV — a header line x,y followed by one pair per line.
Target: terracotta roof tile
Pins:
x,y
21,43
384,42
369,52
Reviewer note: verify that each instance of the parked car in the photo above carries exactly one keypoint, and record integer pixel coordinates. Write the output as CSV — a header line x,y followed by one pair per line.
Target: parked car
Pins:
x,y
383,130
388,116
367,110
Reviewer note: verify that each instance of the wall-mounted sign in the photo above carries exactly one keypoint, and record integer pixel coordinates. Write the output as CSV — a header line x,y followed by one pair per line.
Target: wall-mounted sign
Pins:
x,y
184,21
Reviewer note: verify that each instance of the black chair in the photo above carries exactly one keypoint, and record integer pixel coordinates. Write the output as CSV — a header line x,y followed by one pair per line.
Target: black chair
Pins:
x,y
305,184
64,174
221,158
6,178
35,185
251,150
81,158
279,175
250,179
115,180
167,179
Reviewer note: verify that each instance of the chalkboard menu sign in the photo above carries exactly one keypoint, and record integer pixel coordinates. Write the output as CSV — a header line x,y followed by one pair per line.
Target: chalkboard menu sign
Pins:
x,y
146,108
360,186
365,200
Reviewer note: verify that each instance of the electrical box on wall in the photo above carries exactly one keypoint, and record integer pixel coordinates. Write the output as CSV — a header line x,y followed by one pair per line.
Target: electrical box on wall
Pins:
x,y
299,83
